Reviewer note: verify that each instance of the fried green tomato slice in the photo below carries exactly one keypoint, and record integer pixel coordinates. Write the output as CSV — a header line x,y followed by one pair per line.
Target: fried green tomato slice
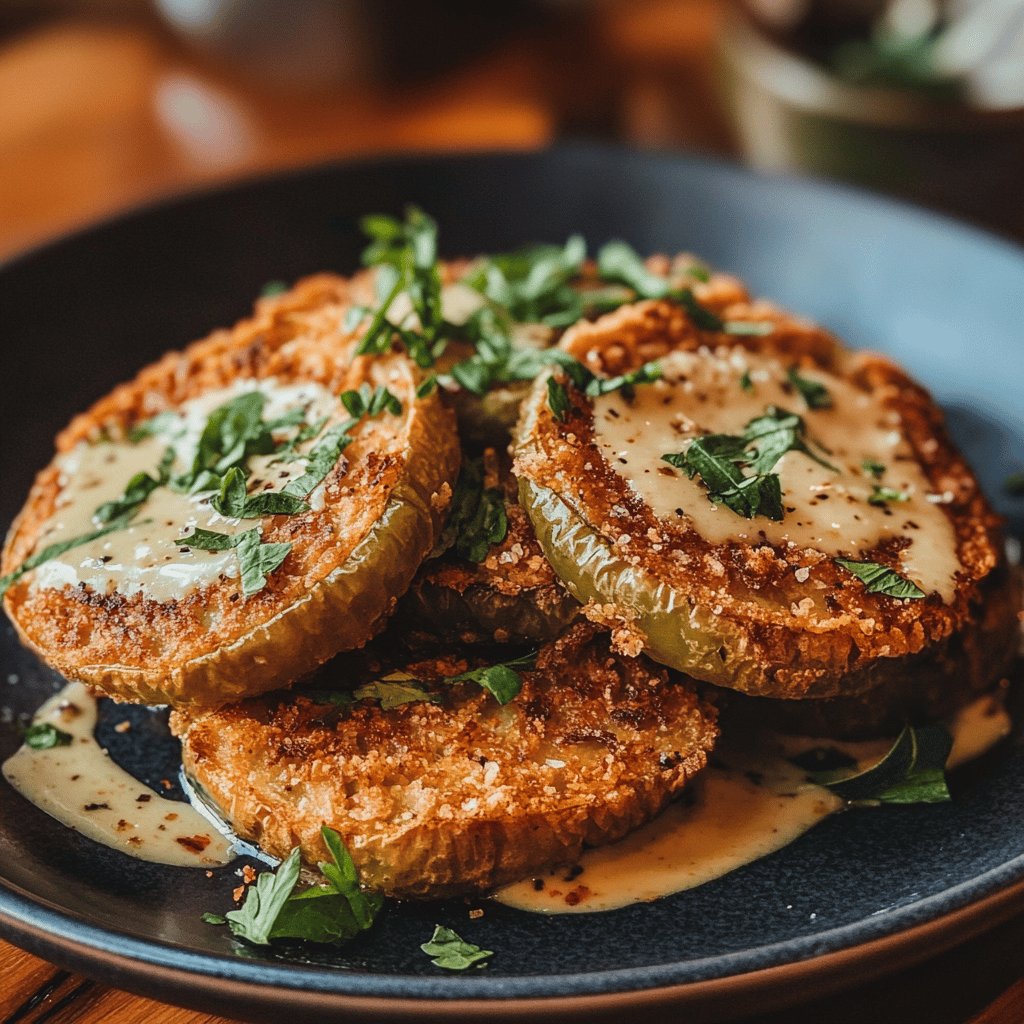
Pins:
x,y
812,528
491,582
224,523
452,792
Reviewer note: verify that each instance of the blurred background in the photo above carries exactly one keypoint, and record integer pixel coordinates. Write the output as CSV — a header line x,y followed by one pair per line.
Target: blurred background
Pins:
x,y
108,103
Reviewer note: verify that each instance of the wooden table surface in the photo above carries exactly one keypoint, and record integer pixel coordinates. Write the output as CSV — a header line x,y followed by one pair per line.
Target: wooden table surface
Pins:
x,y
96,115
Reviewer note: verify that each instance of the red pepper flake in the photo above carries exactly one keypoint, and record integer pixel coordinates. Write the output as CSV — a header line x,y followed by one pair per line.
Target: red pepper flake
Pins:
x,y
577,895
167,784
238,894
194,844
248,874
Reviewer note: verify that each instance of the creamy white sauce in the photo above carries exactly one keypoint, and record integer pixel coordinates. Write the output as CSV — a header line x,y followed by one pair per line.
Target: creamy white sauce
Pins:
x,y
824,510
750,804
144,557
83,788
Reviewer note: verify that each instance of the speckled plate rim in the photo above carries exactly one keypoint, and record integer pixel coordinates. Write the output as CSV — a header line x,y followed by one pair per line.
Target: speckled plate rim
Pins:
x,y
756,978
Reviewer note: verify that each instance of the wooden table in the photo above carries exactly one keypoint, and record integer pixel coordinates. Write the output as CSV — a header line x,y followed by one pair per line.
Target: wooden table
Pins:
x,y
98,115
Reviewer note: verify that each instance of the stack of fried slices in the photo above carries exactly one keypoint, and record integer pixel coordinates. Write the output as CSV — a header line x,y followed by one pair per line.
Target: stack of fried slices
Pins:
x,y
485,643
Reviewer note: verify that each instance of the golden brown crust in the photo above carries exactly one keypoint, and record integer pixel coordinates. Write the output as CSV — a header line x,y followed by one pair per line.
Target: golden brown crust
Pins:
x,y
214,646
465,795
775,638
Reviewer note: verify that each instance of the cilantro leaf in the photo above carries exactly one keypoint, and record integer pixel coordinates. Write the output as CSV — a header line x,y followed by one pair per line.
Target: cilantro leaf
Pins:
x,y
882,496
45,736
911,772
449,950
501,681
873,467
880,579
814,393
58,548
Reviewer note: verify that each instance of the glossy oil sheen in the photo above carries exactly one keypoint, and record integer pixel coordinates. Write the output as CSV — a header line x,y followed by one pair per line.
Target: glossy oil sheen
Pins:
x,y
940,298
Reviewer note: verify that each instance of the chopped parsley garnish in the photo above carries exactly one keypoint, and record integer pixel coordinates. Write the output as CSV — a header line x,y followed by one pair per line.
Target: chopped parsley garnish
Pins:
x,y
449,950
874,468
912,772
558,400
149,428
233,501
815,394
534,284
321,459
405,253
501,681
881,496
620,263
722,462
1013,485
45,736
330,913
57,549
746,384
880,579
138,489
371,402
272,288
256,560
394,690
593,386
477,519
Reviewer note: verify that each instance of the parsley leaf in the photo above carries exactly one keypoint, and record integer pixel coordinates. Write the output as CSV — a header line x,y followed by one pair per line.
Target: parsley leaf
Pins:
x,y
911,772
646,374
620,263
478,518
873,467
154,425
720,461
321,459
257,560
406,253
45,736
501,681
880,579
137,490
880,497
814,393
1013,485
394,690
334,912
54,550
208,540
746,384
533,284
369,401
449,950
234,502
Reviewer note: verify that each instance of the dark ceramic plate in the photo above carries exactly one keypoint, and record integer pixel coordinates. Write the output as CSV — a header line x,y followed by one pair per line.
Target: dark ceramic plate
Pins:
x,y
862,892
